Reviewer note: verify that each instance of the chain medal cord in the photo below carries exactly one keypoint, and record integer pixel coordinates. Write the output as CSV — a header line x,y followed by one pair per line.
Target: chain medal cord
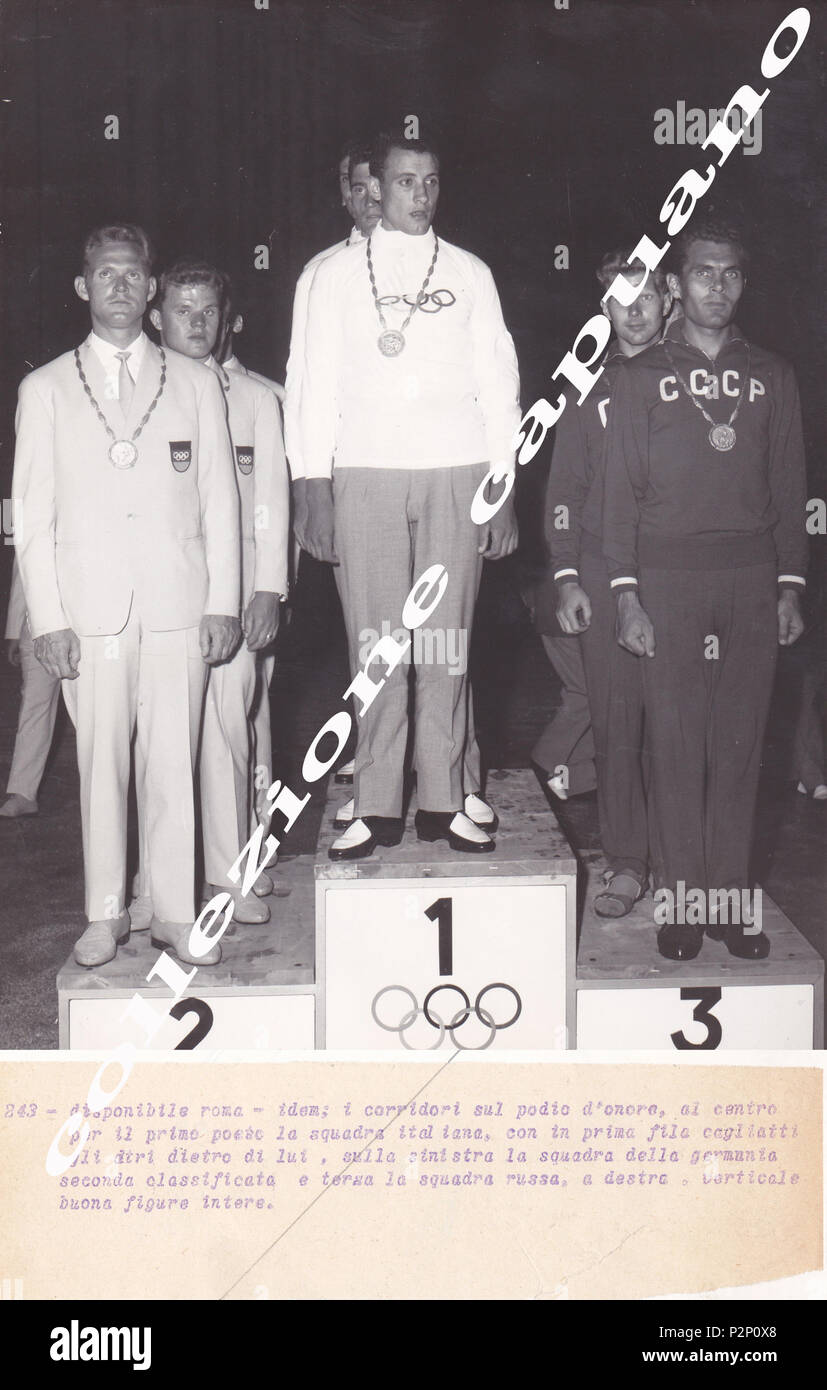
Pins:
x,y
398,333
721,437
110,432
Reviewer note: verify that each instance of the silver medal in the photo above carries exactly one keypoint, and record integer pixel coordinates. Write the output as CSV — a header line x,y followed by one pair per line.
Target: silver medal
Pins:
x,y
123,453
722,437
391,342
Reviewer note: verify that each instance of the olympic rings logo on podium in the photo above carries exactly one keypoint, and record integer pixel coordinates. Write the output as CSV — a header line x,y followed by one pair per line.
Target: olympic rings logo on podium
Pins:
x,y
432,1017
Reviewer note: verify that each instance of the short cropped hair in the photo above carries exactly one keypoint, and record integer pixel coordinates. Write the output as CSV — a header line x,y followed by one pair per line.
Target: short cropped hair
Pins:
x,y
359,154
191,272
383,145
617,262
708,226
126,232
348,150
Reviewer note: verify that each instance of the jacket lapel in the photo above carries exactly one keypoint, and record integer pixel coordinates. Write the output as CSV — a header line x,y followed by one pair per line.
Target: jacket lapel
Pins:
x,y
96,378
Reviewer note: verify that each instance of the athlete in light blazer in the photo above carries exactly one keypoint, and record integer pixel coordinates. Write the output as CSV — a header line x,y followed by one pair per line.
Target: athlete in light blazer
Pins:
x,y
189,317
129,552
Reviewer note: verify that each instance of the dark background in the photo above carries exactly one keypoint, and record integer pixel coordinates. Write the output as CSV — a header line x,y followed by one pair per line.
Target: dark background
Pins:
x,y
231,119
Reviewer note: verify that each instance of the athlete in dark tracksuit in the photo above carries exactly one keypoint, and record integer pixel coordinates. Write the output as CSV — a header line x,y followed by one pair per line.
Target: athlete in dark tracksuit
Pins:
x,y
613,677
714,537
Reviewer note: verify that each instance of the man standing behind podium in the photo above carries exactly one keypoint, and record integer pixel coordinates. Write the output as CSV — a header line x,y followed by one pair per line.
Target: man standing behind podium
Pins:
x,y
189,317
410,393
129,554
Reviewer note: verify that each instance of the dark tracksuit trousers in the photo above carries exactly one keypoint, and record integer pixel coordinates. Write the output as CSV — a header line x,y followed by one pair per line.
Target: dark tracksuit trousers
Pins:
x,y
706,710
567,739
615,692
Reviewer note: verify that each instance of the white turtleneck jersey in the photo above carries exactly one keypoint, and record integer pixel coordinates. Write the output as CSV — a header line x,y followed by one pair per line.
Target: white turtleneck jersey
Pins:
x,y
450,397
295,361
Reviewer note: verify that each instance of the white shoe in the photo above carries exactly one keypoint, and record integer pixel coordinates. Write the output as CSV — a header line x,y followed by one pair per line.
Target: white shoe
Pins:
x,y
467,829
480,812
263,885
344,815
819,793
556,785
140,912
357,840
250,911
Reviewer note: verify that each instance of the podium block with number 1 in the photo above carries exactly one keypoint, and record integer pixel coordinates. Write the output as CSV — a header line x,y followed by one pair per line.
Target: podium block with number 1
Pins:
x,y
420,948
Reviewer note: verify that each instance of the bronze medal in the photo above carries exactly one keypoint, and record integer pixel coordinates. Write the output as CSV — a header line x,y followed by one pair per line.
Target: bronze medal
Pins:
x,y
722,437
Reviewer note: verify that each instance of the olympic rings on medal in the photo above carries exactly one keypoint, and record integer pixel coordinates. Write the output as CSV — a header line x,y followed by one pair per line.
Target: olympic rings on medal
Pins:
x,y
428,303
462,1015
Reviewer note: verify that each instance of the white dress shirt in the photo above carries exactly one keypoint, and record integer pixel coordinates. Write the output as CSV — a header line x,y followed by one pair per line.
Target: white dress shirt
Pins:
x,y
295,362
106,354
451,396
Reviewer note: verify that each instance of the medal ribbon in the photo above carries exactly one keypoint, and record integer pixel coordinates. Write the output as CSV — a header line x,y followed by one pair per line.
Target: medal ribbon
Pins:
x,y
111,433
731,421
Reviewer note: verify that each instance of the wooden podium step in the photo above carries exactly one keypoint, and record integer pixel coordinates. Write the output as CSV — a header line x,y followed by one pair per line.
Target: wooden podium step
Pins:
x,y
629,996
260,995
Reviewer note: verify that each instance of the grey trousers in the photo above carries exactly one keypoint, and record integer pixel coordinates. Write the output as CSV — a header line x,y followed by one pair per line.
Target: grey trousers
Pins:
x,y
36,721
391,525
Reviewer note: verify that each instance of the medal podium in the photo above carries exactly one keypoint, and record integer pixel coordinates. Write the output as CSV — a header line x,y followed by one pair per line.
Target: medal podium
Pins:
x,y
419,948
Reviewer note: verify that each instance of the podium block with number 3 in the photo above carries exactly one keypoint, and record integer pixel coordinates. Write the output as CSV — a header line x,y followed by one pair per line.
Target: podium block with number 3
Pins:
x,y
628,996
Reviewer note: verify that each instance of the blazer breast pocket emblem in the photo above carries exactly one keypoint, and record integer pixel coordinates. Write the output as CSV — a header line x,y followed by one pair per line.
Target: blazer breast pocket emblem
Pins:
x,y
244,456
180,452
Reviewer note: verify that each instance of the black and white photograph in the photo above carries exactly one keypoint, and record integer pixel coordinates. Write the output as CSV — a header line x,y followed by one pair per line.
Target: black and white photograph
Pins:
x,y
414,505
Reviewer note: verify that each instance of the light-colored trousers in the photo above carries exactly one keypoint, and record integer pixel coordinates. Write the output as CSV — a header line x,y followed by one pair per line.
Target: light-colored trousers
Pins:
x,y
35,723
390,526
225,763
261,761
152,684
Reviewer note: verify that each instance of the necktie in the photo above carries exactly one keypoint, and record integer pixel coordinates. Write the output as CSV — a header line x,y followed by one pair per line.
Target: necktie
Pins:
x,y
126,386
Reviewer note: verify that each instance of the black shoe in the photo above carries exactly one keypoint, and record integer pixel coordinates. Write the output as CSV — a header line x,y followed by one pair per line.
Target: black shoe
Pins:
x,y
436,825
383,830
678,941
740,942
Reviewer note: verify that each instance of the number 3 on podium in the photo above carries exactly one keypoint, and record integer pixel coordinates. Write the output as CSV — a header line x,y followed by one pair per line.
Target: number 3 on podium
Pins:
x,y
702,1013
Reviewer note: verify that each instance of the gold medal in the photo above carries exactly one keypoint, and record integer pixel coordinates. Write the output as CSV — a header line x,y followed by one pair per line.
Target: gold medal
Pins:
x,y
391,342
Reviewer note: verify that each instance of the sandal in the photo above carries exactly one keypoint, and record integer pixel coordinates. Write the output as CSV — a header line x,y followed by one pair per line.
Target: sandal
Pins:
x,y
619,896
